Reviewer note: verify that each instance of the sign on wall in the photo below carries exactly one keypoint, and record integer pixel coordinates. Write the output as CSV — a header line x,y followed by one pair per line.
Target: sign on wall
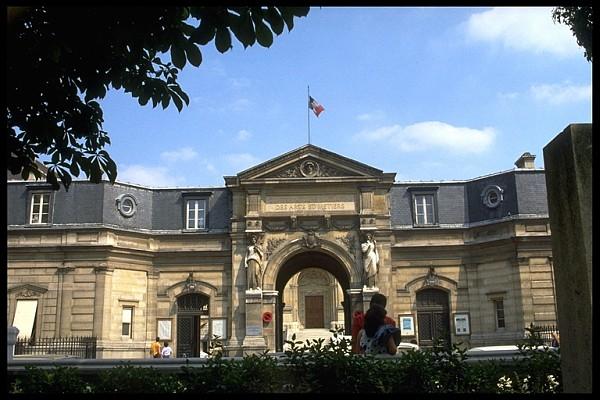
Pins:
x,y
407,325
164,329
219,327
461,324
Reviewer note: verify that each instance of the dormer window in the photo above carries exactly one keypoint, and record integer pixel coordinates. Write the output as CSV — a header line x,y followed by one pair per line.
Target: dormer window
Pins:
x,y
40,208
424,206
196,214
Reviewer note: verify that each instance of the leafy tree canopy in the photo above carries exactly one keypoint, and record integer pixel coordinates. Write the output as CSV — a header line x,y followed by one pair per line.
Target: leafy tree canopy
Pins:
x,y
580,19
61,60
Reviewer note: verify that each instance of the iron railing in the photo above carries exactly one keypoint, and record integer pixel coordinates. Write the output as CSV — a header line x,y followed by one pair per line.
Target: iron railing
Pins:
x,y
545,332
76,346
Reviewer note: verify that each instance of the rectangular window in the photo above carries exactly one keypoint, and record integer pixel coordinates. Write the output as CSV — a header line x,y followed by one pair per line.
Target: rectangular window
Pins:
x,y
499,309
40,208
424,212
24,319
126,324
196,214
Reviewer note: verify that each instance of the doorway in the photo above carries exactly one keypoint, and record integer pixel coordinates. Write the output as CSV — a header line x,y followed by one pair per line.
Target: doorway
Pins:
x,y
313,312
193,325
433,317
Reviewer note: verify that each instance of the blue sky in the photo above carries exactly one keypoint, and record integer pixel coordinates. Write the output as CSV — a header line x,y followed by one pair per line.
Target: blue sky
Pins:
x,y
428,93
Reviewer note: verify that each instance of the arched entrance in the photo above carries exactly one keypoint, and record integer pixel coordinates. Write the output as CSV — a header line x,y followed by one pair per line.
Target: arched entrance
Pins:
x,y
433,316
312,302
193,324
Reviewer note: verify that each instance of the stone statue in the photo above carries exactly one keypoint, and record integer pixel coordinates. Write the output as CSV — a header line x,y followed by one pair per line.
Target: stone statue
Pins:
x,y
254,257
370,260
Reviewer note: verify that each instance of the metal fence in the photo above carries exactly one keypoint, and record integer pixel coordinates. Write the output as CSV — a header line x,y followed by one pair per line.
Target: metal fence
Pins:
x,y
80,347
545,332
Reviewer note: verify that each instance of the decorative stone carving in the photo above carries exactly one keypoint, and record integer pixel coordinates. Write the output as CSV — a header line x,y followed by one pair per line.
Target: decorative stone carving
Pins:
x,y
344,224
431,279
309,169
253,263
276,226
27,293
273,244
349,243
311,240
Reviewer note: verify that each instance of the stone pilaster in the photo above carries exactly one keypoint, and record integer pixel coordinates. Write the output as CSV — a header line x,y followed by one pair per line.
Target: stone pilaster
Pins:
x,y
254,340
102,307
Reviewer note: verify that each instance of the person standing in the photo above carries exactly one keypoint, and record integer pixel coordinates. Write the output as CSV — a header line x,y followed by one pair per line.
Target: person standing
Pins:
x,y
377,337
155,348
166,351
370,261
254,257
358,320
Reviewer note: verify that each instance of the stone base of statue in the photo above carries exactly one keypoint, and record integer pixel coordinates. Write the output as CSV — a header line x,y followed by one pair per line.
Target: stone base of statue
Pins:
x,y
254,342
367,293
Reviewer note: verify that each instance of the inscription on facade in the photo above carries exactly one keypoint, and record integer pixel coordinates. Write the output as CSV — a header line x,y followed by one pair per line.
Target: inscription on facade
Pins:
x,y
294,204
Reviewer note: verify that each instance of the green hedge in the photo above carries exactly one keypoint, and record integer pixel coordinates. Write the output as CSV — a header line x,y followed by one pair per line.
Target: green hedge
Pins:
x,y
316,368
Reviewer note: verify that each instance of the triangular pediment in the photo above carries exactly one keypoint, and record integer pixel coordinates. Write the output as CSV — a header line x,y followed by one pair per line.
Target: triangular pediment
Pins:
x,y
309,162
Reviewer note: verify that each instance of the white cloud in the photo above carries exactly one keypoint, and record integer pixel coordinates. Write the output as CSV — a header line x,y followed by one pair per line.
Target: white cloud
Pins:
x,y
561,93
375,115
508,95
243,135
433,134
149,176
523,29
240,161
182,154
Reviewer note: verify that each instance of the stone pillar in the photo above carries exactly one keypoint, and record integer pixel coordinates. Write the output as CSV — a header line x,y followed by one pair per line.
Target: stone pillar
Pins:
x,y
476,317
254,341
367,294
152,308
269,302
238,286
568,164
11,338
102,307
356,301
65,301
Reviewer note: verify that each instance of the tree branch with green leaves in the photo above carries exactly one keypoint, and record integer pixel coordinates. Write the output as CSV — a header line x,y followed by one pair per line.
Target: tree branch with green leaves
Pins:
x,y
62,60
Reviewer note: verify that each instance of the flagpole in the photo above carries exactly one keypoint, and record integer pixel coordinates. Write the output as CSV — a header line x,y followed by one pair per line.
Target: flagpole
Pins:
x,y
308,113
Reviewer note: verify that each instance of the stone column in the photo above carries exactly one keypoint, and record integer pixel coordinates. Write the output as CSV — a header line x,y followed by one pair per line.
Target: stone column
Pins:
x,y
568,163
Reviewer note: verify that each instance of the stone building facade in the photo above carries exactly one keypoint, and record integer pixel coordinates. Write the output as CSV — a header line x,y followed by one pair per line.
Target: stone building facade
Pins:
x,y
469,261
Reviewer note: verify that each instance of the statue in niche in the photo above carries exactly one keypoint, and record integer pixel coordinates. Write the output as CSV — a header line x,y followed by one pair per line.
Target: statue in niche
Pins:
x,y
370,260
253,262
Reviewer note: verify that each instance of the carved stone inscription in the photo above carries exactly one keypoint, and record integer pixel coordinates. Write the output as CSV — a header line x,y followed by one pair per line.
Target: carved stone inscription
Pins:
x,y
310,203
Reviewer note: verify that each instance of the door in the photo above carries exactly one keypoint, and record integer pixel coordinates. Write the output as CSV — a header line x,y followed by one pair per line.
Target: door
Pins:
x,y
313,312
193,333
433,317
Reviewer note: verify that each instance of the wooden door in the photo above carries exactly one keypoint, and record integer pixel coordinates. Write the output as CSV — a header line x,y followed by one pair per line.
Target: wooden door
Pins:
x,y
433,317
313,312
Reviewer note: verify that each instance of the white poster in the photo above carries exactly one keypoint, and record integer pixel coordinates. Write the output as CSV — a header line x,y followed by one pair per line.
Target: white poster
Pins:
x,y
219,328
461,324
407,325
164,329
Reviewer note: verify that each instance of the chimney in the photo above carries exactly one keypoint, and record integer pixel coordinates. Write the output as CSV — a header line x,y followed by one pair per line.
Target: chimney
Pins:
x,y
526,161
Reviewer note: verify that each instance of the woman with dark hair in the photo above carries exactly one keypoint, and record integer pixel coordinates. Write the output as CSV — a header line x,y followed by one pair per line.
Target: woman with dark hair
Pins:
x,y
377,337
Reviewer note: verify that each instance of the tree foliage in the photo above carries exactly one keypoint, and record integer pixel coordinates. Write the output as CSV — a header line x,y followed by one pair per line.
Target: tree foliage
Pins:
x,y
62,60
580,20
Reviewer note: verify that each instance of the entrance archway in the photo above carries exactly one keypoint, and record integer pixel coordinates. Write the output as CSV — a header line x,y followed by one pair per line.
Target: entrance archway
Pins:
x,y
301,261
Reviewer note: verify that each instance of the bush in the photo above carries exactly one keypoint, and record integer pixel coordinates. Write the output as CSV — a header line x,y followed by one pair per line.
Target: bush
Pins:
x,y
318,367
